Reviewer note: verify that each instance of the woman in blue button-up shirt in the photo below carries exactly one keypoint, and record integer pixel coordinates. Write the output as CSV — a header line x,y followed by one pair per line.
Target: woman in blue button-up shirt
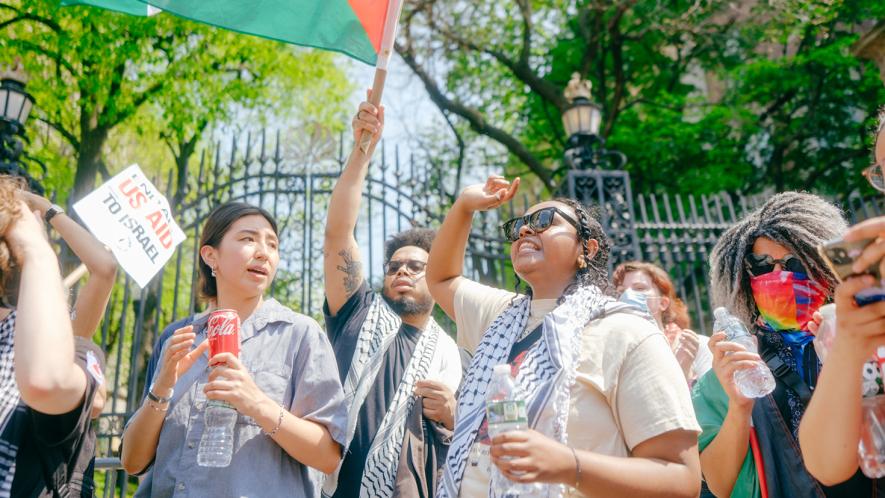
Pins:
x,y
289,403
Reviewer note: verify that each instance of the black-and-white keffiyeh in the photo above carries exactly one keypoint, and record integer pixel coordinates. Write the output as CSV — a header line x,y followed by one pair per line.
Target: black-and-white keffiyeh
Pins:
x,y
378,331
546,376
9,400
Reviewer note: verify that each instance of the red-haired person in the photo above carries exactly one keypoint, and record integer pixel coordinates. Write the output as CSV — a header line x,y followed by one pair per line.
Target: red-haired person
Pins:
x,y
669,312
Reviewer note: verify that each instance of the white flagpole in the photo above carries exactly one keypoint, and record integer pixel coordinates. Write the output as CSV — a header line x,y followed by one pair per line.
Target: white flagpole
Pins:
x,y
387,40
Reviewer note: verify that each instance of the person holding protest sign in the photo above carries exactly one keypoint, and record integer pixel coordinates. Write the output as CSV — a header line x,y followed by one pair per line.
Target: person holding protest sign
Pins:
x,y
831,428
51,381
289,403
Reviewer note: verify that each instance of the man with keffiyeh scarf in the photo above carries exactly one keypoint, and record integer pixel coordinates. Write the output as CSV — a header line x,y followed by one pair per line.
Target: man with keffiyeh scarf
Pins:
x,y
399,369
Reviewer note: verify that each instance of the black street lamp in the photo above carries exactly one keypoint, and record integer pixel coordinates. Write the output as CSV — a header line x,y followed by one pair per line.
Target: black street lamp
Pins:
x,y
585,147
15,106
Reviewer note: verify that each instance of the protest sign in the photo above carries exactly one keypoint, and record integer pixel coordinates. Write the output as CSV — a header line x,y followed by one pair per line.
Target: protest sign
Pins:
x,y
129,215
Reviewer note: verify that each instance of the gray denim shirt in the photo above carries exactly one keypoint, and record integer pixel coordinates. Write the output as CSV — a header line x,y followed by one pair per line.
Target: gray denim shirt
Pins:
x,y
291,361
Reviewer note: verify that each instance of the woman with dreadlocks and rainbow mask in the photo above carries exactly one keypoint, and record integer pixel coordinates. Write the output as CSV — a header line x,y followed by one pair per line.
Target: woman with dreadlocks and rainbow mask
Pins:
x,y
608,409
766,270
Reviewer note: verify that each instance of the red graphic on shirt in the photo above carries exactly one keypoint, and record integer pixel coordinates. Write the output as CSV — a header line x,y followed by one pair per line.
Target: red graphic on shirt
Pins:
x,y
483,434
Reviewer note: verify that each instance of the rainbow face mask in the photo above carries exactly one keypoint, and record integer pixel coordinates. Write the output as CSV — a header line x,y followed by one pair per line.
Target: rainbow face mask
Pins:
x,y
786,300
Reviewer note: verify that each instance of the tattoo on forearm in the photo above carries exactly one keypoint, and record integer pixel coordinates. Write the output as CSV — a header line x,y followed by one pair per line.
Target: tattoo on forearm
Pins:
x,y
352,270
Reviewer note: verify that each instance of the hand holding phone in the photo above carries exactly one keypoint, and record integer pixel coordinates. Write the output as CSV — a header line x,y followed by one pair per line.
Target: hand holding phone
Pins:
x,y
841,255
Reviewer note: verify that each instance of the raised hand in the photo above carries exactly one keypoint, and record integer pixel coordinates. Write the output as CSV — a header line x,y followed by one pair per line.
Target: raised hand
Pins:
x,y
369,119
25,234
489,195
34,201
686,349
177,359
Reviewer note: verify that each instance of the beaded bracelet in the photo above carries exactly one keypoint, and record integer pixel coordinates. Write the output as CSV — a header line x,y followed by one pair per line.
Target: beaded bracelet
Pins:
x,y
279,423
577,469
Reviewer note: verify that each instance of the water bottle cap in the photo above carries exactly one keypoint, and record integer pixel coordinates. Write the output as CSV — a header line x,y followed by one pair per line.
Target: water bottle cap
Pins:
x,y
721,313
502,370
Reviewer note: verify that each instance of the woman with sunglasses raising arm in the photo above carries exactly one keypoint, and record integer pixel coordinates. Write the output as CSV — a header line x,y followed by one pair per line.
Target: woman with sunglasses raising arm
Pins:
x,y
830,449
608,410
767,272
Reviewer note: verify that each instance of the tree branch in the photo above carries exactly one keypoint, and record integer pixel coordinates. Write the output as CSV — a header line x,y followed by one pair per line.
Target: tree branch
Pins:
x,y
49,23
70,137
55,56
476,120
520,68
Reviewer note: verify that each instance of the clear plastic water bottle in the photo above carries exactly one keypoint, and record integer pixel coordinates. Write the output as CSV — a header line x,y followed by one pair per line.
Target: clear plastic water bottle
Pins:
x,y
505,411
753,382
871,448
217,442
826,331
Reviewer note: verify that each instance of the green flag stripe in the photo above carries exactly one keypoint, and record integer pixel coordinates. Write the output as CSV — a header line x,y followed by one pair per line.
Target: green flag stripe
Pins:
x,y
325,24
131,7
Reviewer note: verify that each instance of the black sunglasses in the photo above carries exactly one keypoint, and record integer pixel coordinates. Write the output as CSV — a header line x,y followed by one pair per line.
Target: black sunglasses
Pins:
x,y
876,176
760,264
412,265
538,221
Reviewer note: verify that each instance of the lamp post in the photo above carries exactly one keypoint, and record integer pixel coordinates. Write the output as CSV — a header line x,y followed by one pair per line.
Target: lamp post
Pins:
x,y
585,148
15,106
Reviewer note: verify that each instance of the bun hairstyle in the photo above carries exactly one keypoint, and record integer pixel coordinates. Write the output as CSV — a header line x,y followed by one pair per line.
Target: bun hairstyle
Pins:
x,y
214,229
10,273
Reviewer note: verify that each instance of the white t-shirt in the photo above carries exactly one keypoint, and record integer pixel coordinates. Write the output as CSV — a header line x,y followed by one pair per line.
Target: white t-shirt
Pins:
x,y
629,387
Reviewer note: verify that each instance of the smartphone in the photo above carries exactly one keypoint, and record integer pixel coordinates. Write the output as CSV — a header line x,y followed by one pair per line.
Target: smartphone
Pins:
x,y
840,255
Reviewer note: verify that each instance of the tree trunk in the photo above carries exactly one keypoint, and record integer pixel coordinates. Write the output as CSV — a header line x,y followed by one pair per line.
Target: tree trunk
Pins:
x,y
88,162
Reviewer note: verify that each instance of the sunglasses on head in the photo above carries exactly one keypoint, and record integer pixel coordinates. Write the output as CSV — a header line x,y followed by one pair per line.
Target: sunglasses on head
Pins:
x,y
413,266
876,176
760,264
538,221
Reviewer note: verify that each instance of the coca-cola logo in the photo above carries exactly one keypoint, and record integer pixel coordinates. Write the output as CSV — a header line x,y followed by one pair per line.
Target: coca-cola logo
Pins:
x,y
223,325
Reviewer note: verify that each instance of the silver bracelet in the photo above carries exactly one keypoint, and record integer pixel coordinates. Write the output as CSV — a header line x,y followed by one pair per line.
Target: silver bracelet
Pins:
x,y
279,423
577,470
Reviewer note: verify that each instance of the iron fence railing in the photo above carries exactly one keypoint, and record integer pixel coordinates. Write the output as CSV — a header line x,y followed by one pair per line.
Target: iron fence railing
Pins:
x,y
677,232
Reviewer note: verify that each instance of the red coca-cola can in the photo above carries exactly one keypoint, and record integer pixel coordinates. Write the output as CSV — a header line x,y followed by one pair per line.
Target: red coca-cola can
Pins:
x,y
223,329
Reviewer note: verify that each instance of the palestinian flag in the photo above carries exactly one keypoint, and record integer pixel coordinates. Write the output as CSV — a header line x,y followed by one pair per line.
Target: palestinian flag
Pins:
x,y
352,27
131,7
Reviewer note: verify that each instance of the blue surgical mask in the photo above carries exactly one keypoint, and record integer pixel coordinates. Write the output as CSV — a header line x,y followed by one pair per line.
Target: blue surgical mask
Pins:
x,y
636,299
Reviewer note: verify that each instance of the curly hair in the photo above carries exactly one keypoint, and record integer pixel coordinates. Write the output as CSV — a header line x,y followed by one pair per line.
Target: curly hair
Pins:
x,y
10,273
418,237
595,272
677,311
798,221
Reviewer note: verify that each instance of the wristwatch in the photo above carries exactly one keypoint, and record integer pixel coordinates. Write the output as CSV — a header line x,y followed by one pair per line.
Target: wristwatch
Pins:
x,y
156,399
53,210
